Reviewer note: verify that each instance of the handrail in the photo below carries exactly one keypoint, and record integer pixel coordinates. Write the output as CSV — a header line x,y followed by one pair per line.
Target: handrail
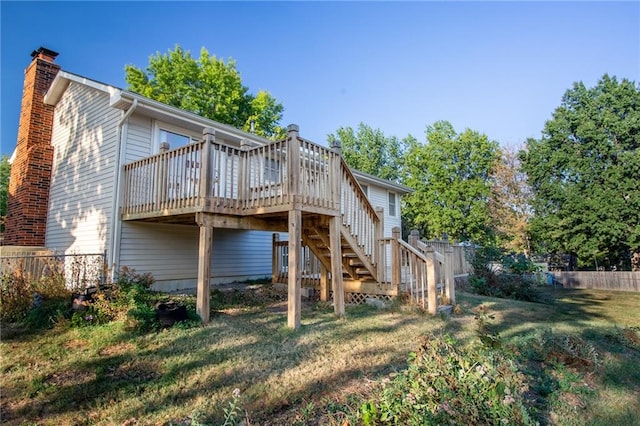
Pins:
x,y
358,215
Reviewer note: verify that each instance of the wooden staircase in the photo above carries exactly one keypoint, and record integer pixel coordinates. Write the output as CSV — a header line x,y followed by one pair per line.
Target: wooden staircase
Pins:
x,y
356,265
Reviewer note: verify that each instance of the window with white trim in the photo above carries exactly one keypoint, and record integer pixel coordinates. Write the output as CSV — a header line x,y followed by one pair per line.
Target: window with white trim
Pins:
x,y
392,204
365,189
172,135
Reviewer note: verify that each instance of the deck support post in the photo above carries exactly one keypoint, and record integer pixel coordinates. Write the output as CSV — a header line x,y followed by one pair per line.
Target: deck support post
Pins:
x,y
204,267
336,265
432,300
324,288
449,280
294,297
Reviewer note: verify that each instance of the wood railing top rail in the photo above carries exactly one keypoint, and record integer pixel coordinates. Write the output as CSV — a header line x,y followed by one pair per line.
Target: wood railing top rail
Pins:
x,y
412,249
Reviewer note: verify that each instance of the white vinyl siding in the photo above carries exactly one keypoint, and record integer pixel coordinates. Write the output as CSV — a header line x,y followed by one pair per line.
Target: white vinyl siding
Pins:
x,y
138,131
170,254
378,197
82,184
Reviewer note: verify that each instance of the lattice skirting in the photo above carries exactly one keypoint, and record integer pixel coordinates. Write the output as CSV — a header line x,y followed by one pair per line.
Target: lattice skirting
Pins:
x,y
361,298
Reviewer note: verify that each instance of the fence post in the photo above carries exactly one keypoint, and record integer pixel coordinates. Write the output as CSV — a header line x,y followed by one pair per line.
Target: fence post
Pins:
x,y
449,280
396,274
414,237
432,300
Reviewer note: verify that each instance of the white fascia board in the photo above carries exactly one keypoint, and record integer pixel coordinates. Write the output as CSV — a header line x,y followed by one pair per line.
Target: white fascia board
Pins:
x,y
366,178
123,99
62,80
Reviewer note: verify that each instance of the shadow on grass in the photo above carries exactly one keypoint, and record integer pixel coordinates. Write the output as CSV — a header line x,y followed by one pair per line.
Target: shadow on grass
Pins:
x,y
602,342
251,350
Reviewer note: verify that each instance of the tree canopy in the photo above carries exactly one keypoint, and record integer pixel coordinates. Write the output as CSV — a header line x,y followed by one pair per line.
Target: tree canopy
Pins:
x,y
370,151
585,171
509,203
451,178
208,87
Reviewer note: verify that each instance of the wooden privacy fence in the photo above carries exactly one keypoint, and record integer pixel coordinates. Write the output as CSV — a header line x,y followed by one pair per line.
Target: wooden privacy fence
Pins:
x,y
79,271
599,280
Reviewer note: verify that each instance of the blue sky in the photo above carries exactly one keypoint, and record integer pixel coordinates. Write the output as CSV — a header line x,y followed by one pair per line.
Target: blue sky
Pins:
x,y
500,68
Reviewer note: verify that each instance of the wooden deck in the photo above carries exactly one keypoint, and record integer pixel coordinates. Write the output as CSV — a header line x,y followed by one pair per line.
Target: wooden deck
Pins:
x,y
292,186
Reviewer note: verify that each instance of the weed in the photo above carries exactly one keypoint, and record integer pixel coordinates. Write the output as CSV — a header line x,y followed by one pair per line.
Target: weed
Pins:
x,y
233,411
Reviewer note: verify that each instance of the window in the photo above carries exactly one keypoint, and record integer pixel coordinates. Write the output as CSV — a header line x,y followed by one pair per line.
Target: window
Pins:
x,y
271,170
175,137
365,189
175,140
392,204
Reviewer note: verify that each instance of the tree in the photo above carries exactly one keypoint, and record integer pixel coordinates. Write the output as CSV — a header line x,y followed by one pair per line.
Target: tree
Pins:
x,y
370,151
509,203
450,175
5,172
584,173
208,87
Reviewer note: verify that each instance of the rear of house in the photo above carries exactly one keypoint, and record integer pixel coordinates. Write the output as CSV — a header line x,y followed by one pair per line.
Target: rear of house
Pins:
x,y
96,130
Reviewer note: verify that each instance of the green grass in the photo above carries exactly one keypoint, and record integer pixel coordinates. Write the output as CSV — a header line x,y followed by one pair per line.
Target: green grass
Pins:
x,y
319,374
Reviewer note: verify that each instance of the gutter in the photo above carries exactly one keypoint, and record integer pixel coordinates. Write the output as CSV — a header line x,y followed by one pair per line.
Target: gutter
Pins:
x,y
116,223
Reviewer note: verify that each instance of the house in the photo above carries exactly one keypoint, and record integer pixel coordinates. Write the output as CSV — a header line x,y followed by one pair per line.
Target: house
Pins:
x,y
193,201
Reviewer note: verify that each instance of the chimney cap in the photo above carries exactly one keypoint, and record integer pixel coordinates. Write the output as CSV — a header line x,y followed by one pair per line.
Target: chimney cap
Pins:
x,y
44,53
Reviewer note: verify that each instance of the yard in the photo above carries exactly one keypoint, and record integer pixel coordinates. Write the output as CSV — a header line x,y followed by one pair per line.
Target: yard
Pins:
x,y
247,366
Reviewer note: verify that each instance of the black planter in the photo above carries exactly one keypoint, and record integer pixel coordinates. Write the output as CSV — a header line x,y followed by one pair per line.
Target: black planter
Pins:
x,y
169,313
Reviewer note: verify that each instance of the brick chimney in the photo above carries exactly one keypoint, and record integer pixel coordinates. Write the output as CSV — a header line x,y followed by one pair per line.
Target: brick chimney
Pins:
x,y
28,202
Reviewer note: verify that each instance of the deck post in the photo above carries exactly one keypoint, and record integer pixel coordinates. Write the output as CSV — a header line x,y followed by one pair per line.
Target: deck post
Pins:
x,y
294,297
379,245
293,163
209,136
395,258
449,280
324,288
336,265
432,301
335,176
204,267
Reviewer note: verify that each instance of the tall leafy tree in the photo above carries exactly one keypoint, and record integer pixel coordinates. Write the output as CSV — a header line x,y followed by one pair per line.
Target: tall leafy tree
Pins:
x,y
451,178
585,174
370,151
509,203
208,87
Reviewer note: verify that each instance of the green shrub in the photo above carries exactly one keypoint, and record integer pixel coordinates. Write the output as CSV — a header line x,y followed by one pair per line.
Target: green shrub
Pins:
x,y
16,297
22,299
447,384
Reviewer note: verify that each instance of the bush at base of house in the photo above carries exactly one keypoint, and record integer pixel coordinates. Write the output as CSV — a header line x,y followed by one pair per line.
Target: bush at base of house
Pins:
x,y
47,302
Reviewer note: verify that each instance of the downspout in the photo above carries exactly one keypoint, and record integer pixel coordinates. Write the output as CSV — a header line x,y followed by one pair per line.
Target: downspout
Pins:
x,y
116,223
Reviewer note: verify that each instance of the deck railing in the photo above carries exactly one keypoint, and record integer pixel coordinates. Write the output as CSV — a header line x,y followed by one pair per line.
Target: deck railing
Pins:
x,y
358,215
214,177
